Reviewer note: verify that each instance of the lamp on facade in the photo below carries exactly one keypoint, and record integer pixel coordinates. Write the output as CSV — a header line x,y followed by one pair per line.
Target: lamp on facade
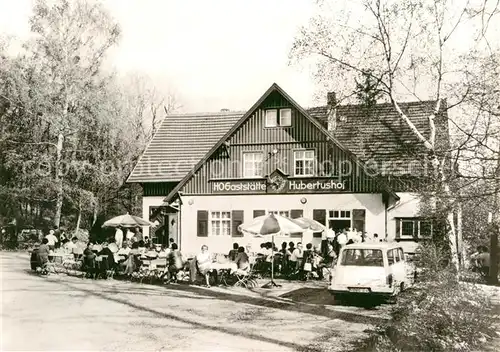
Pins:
x,y
303,200
273,152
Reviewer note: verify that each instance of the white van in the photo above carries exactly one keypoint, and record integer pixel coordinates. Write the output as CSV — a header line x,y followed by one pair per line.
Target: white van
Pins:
x,y
372,269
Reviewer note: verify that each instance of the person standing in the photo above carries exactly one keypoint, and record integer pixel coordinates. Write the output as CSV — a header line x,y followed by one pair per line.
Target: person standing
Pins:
x,y
129,235
119,237
52,240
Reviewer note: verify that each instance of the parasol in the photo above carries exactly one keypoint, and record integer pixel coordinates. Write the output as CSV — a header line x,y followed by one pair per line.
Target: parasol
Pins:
x,y
270,225
126,220
309,224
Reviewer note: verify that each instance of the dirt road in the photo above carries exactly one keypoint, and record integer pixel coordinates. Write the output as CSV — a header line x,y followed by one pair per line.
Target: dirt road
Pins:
x,y
61,312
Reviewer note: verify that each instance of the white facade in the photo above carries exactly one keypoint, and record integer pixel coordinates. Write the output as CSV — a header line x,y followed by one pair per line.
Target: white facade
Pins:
x,y
375,215
191,243
406,207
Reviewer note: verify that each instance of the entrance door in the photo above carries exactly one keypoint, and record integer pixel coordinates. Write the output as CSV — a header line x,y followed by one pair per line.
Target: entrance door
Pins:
x,y
172,227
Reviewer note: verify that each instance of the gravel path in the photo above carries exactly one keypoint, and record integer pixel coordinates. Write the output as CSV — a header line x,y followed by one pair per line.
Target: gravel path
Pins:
x,y
60,312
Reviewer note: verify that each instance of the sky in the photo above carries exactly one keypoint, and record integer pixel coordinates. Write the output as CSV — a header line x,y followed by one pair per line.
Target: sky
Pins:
x,y
213,54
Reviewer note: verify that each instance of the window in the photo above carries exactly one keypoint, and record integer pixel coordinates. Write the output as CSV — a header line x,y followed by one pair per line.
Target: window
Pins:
x,y
390,257
339,220
304,162
280,212
401,254
220,223
278,117
285,117
252,164
362,257
412,228
272,118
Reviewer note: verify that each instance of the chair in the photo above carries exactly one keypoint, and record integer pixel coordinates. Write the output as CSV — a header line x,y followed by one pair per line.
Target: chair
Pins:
x,y
144,270
246,278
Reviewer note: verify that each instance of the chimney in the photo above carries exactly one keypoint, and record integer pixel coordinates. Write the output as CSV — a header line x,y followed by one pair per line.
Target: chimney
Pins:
x,y
224,110
331,100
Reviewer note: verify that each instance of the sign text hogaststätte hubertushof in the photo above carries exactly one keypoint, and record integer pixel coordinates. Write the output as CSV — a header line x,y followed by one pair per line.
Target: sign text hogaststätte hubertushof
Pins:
x,y
291,186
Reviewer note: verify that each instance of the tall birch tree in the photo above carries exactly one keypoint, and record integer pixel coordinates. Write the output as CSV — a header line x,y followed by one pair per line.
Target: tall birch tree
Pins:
x,y
411,49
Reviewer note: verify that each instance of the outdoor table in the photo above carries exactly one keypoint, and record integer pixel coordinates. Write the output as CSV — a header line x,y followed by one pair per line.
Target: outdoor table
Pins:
x,y
225,266
58,257
224,270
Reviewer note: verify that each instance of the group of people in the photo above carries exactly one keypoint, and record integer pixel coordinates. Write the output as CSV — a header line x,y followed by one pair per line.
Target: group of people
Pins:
x,y
128,258
203,262
292,260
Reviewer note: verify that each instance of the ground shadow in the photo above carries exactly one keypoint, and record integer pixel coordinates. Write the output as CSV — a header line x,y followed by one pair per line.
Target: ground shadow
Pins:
x,y
304,300
313,295
299,307
195,324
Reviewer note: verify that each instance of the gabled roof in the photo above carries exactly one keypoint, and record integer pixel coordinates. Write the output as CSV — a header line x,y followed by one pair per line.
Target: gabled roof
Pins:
x,y
379,134
179,144
249,113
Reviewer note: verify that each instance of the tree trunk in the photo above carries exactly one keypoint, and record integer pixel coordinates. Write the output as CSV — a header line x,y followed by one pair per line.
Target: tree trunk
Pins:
x,y
79,219
495,228
59,180
445,197
460,237
96,211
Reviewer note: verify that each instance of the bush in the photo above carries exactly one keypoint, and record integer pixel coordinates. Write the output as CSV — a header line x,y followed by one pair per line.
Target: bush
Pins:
x,y
438,314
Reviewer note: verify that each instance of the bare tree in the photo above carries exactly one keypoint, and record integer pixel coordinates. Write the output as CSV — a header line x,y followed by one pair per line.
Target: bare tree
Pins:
x,y
410,49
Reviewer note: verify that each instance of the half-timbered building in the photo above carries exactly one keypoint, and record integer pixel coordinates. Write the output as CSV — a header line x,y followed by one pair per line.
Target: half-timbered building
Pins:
x,y
346,166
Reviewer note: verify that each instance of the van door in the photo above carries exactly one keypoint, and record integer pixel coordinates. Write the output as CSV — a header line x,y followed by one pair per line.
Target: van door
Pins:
x,y
399,267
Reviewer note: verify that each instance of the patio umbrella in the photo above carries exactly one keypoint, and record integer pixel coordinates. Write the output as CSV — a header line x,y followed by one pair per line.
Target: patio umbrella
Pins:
x,y
270,225
126,220
309,224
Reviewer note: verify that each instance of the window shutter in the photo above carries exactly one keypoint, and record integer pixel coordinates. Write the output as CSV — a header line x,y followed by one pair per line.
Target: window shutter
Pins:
x,y
202,223
398,228
236,220
296,213
320,216
257,213
358,219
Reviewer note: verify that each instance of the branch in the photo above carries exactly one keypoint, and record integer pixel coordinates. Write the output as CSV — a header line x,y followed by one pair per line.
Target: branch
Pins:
x,y
410,124
471,136
446,37
346,64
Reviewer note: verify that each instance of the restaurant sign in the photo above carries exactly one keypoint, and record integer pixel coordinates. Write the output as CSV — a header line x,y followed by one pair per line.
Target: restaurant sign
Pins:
x,y
278,185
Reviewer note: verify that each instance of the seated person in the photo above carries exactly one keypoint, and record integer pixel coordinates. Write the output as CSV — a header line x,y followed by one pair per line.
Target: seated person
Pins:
x,y
109,263
125,250
242,261
71,245
43,252
34,260
263,249
89,257
204,263
141,247
58,249
233,252
163,253
151,253
132,262
135,250
174,262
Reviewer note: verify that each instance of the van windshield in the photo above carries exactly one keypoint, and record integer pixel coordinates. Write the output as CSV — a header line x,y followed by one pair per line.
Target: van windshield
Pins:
x,y
362,257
